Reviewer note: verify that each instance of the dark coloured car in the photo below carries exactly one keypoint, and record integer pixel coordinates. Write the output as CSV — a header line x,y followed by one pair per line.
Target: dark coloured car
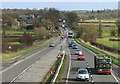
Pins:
x,y
51,45
70,44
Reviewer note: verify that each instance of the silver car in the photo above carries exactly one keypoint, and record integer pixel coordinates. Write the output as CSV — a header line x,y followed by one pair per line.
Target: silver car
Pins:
x,y
78,51
82,74
74,46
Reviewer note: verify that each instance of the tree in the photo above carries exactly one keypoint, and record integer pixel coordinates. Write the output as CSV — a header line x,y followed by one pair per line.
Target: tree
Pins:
x,y
71,17
40,33
7,22
100,30
87,33
113,31
53,15
118,25
27,39
36,22
47,23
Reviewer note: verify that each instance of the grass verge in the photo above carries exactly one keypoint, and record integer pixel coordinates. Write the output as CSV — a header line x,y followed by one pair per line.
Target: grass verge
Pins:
x,y
59,77
48,78
7,56
115,60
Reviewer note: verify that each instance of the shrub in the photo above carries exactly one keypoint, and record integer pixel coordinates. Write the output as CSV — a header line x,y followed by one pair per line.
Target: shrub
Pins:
x,y
41,33
26,39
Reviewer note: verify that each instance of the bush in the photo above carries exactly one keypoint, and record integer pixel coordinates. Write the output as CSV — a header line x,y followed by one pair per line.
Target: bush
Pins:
x,y
41,33
87,33
26,39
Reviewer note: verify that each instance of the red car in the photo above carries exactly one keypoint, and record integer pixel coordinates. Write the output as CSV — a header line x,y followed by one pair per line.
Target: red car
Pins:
x,y
81,57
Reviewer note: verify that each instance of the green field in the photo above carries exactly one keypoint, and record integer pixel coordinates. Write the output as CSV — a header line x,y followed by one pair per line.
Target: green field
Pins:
x,y
105,41
104,21
12,32
106,30
14,43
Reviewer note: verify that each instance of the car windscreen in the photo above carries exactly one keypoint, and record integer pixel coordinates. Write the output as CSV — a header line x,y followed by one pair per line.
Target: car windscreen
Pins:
x,y
77,50
82,72
81,55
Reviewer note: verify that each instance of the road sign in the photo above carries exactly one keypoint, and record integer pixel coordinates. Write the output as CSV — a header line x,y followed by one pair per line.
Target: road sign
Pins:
x,y
59,56
10,47
52,72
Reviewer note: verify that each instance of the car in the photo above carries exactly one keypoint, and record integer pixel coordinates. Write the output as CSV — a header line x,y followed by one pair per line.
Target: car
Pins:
x,y
70,44
74,46
73,41
78,51
62,37
81,57
51,45
82,74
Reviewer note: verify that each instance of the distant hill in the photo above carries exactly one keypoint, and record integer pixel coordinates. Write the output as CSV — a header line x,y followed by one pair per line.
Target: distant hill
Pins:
x,y
81,11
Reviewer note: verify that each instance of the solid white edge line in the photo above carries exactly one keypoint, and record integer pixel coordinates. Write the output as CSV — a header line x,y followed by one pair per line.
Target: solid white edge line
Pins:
x,y
22,72
23,59
69,66
115,77
94,53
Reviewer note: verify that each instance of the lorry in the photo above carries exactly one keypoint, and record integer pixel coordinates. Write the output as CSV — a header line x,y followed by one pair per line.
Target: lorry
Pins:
x,y
103,64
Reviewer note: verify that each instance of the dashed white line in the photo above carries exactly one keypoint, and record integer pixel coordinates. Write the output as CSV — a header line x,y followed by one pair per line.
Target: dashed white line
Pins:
x,y
69,66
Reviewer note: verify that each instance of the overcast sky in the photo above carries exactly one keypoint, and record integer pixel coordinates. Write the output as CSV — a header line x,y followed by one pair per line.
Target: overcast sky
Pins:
x,y
59,0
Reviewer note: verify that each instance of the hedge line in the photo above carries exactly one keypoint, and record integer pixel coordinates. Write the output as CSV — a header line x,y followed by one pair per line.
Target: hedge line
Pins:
x,y
115,60
104,47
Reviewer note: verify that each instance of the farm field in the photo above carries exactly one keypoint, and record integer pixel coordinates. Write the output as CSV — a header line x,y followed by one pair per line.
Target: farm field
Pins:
x,y
105,41
12,32
104,21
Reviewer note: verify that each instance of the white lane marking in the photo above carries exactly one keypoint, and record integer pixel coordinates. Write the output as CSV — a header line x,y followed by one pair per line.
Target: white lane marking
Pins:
x,y
94,54
69,66
22,60
22,72
26,68
85,48
115,77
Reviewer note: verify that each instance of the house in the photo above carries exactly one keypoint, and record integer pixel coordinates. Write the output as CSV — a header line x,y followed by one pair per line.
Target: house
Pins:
x,y
27,18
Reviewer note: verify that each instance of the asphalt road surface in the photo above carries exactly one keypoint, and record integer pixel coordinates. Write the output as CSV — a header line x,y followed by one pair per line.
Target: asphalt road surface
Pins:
x,y
88,64
10,73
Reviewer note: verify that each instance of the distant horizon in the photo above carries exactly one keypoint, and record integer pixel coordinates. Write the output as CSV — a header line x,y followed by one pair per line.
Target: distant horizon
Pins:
x,y
62,6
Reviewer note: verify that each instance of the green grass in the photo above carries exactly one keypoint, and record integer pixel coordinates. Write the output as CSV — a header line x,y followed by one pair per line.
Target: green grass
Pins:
x,y
106,30
48,78
29,24
116,60
12,32
104,21
14,43
59,77
105,41
13,54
